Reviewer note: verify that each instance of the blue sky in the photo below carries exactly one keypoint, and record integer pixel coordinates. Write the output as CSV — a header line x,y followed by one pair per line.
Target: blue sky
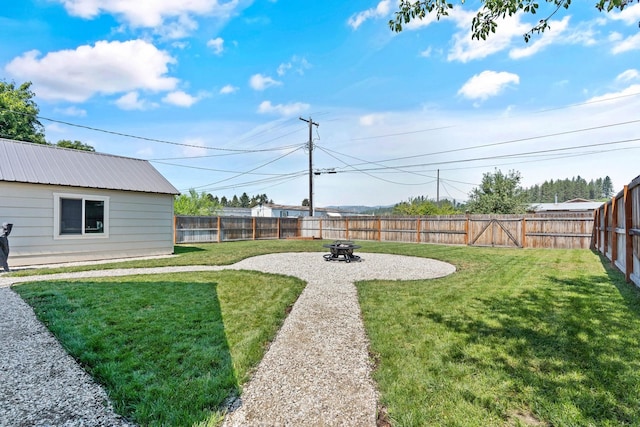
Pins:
x,y
214,91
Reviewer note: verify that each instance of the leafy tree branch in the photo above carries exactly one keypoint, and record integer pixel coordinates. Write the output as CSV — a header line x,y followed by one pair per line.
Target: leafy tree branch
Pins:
x,y
486,20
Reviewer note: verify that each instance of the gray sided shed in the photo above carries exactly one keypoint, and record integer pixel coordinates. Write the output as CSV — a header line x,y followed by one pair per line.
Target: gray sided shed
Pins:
x,y
71,205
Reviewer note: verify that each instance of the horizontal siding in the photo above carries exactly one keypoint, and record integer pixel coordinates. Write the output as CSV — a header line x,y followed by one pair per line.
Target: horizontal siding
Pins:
x,y
140,224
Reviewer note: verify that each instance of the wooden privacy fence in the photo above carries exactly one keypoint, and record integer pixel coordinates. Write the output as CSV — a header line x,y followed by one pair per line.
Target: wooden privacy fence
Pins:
x,y
617,231
210,229
570,230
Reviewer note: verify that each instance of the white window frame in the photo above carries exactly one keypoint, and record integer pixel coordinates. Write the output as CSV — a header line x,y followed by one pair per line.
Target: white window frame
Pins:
x,y
84,198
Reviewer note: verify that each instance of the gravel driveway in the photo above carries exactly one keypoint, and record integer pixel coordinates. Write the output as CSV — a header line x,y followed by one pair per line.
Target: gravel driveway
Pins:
x,y
316,372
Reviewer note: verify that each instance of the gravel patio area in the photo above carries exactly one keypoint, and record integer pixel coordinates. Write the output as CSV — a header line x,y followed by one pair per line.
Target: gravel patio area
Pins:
x,y
316,372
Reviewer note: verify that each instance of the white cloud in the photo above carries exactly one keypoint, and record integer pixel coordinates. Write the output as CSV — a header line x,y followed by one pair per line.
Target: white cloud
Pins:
x,y
555,32
630,15
266,107
55,128
621,97
510,31
132,101
417,24
180,99
149,13
299,65
180,45
72,111
465,49
625,45
628,75
195,147
227,89
426,53
380,11
144,153
106,68
283,68
487,84
178,29
261,82
371,119
615,37
217,45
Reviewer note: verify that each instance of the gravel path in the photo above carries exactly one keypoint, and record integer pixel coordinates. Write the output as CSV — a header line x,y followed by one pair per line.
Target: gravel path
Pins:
x,y
316,372
40,384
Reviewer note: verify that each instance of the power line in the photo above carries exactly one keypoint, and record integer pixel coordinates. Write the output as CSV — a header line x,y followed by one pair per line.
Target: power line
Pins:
x,y
511,141
143,138
276,180
254,169
326,150
371,175
505,156
218,170
612,98
401,133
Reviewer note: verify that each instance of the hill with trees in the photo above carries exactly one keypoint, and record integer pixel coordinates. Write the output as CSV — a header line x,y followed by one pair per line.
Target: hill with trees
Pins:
x,y
570,188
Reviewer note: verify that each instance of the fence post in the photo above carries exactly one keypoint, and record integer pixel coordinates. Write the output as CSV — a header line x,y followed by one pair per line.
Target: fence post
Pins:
x,y
418,230
379,229
175,229
219,229
628,225
253,228
613,241
605,226
594,233
466,231
320,227
279,229
346,225
524,232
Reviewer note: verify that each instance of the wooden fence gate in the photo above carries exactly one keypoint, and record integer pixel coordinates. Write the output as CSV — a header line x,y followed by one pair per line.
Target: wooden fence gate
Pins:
x,y
505,232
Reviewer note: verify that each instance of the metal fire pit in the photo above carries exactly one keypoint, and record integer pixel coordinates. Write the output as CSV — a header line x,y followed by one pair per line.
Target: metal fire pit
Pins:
x,y
341,250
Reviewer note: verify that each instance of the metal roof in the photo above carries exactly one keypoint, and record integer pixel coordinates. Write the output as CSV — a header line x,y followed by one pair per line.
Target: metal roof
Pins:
x,y
45,164
566,206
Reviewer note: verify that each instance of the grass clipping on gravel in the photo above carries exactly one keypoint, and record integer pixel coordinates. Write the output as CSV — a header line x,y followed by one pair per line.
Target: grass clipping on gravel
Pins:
x,y
514,338
169,349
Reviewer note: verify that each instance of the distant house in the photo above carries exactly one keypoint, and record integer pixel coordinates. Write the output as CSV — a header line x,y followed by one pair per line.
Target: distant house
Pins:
x,y
71,205
574,205
286,211
271,210
228,211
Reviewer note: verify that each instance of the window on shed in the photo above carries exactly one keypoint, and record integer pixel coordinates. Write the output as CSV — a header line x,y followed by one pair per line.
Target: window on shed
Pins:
x,y
78,215
70,216
94,216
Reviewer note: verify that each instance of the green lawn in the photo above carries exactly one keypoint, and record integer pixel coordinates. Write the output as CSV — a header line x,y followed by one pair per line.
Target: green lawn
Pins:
x,y
203,254
514,337
169,349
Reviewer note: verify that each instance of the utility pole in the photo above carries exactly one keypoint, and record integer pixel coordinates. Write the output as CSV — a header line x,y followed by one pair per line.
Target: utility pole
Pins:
x,y
310,147
438,189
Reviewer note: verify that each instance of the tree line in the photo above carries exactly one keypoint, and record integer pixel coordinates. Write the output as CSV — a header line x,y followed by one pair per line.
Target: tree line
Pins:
x,y
498,193
568,189
205,204
501,193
